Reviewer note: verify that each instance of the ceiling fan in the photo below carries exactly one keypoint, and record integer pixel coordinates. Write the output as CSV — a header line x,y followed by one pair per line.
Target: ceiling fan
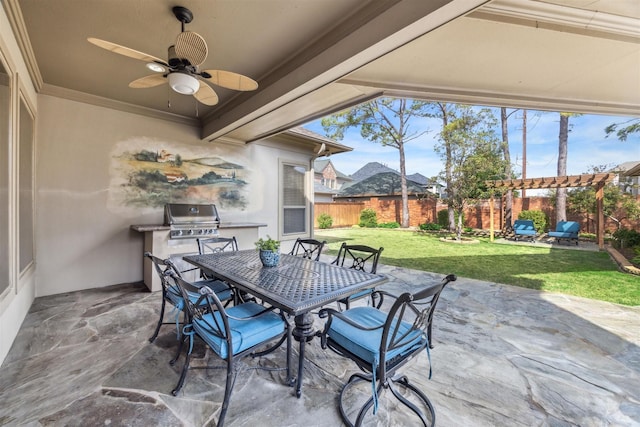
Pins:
x,y
181,68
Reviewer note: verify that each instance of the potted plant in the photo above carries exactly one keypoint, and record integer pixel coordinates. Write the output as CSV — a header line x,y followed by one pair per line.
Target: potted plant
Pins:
x,y
269,250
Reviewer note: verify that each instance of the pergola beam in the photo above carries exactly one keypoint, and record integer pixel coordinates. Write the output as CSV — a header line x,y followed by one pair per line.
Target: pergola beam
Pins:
x,y
597,180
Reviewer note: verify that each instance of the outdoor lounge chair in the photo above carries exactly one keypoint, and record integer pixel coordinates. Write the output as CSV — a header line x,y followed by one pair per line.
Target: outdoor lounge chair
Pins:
x,y
566,230
382,342
524,228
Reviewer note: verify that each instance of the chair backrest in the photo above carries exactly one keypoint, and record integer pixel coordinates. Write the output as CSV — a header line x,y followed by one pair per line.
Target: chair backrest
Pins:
x,y
217,244
358,257
568,227
524,224
163,268
219,324
308,248
410,317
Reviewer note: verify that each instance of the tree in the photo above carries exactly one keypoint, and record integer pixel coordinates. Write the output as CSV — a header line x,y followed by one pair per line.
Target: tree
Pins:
x,y
563,148
469,144
561,193
583,201
622,130
504,118
384,121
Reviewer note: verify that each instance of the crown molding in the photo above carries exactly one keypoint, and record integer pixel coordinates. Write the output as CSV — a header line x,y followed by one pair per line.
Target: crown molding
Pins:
x,y
99,101
561,18
14,14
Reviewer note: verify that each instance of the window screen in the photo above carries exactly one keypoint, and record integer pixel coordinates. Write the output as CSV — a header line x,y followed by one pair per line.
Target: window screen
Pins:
x,y
294,202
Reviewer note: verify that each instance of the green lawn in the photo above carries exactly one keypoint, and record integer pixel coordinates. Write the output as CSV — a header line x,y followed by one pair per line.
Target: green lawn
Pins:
x,y
583,273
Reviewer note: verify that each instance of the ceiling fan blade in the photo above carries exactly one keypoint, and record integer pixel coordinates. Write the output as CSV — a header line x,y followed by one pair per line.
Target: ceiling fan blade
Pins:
x,y
131,53
148,81
192,47
230,80
206,94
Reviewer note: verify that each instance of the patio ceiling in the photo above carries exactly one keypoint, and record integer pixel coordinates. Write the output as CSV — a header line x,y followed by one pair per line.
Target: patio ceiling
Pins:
x,y
314,58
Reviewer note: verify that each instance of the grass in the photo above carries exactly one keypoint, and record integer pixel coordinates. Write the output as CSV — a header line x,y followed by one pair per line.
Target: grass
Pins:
x,y
582,273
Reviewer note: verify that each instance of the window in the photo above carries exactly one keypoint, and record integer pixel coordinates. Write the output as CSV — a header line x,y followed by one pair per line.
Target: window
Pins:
x,y
5,122
294,218
25,176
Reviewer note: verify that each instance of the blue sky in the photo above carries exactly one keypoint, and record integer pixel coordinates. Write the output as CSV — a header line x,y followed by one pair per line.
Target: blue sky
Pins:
x,y
587,146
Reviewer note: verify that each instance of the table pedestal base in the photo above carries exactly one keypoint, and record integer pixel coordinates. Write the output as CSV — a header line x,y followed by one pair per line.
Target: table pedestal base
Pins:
x,y
303,332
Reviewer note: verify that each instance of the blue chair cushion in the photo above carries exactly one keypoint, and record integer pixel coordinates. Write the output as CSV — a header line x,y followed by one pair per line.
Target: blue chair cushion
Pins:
x,y
244,333
221,289
366,344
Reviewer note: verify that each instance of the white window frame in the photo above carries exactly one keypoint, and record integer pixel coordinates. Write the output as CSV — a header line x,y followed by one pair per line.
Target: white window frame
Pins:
x,y
281,200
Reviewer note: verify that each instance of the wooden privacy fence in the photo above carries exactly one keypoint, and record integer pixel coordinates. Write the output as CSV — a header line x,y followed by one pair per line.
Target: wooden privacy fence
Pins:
x,y
343,214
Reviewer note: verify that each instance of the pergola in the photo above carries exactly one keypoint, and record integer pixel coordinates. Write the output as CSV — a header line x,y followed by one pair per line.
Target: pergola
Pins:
x,y
597,180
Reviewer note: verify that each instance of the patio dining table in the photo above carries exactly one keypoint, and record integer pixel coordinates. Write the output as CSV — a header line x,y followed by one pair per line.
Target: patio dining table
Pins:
x,y
296,286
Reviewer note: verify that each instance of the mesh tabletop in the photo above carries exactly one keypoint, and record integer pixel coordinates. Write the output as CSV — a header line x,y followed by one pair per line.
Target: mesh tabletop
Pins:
x,y
295,285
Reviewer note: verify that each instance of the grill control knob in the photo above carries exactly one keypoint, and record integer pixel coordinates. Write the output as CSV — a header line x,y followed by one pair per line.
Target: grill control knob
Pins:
x,y
190,231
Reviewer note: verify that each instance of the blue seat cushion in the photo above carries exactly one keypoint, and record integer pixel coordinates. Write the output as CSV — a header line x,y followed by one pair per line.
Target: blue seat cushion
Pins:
x,y
244,333
360,294
366,344
222,290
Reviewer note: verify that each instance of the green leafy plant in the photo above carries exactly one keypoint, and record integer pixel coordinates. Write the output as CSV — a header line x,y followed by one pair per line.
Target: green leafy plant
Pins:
x,y
431,226
538,217
368,218
389,225
325,220
626,238
268,244
443,218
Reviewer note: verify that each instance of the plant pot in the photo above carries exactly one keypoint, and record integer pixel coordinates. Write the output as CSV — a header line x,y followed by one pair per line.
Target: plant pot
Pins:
x,y
269,258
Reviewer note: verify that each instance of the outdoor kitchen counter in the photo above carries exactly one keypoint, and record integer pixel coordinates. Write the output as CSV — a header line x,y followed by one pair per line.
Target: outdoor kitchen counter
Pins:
x,y
157,241
142,228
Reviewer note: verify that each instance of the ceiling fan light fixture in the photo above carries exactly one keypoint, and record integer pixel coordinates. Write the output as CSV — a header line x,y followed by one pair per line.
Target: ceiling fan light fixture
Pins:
x,y
183,83
156,68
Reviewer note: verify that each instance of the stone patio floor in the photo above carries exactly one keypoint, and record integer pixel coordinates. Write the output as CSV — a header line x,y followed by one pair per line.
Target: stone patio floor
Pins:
x,y
503,356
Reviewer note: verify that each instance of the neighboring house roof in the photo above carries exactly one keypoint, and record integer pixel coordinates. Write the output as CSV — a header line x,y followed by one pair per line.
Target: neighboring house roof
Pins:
x,y
381,184
370,169
321,189
419,178
320,165
628,168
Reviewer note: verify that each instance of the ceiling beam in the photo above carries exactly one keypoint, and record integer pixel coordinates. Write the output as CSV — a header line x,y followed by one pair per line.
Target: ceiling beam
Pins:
x,y
370,33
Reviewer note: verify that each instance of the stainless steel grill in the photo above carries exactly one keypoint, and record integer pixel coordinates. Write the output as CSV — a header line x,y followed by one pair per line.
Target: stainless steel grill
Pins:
x,y
191,221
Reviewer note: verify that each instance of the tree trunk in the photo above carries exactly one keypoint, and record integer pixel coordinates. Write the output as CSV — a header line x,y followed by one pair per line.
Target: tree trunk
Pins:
x,y
508,210
561,199
403,186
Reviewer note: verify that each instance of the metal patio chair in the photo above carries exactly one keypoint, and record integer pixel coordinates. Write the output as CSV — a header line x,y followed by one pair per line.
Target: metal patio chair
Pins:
x,y
380,343
172,295
308,248
231,333
363,258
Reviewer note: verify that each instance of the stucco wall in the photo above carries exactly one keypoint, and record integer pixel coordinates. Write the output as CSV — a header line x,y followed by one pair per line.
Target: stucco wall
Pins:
x,y
83,236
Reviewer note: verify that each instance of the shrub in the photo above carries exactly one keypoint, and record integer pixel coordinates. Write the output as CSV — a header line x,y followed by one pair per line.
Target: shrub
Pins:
x,y
389,225
626,238
443,218
368,218
538,217
325,220
430,226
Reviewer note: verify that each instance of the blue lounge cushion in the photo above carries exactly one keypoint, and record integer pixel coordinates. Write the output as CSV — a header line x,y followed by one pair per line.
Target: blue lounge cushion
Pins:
x,y
244,333
566,229
524,227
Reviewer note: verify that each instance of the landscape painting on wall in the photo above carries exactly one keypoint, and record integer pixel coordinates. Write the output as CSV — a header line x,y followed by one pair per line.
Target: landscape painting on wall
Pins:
x,y
154,176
